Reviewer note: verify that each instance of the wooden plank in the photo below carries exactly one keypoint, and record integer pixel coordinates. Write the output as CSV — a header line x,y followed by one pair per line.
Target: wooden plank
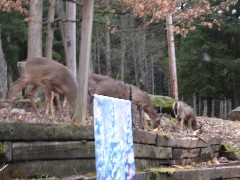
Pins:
x,y
144,137
152,152
41,132
57,168
52,150
185,153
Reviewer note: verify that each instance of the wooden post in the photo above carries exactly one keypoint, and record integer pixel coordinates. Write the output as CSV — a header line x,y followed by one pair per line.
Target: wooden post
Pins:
x,y
213,108
195,103
84,61
172,58
205,108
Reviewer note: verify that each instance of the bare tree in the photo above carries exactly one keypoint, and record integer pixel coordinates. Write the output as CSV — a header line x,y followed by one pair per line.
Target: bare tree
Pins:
x,y
50,28
61,14
71,36
84,60
3,70
108,38
67,23
141,38
123,44
35,28
172,58
134,53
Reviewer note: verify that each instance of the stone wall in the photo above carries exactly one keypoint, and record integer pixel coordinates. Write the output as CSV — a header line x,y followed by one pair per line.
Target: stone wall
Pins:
x,y
65,150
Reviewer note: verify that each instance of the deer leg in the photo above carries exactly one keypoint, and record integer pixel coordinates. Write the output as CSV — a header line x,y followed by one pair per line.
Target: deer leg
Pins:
x,y
49,102
139,108
46,103
58,101
55,95
30,96
180,122
190,125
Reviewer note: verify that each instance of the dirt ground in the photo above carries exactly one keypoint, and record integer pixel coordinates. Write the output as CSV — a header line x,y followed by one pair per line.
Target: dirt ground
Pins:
x,y
227,130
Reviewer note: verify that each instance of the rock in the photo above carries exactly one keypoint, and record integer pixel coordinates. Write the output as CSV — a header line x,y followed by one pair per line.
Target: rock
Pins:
x,y
235,114
17,111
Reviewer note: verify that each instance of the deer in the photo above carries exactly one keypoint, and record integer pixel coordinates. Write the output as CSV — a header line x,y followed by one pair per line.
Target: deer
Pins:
x,y
142,100
107,86
185,115
49,95
48,73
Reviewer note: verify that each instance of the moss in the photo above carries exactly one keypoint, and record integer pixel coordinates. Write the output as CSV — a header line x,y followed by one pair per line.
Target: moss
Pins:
x,y
238,151
235,152
162,170
139,169
90,174
83,141
227,148
163,102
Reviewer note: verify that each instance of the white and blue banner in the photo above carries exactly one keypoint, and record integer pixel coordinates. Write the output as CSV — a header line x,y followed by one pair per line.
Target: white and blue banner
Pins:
x,y
113,138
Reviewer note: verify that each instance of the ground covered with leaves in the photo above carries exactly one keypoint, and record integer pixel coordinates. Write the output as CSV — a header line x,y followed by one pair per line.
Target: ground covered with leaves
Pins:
x,y
227,130
211,127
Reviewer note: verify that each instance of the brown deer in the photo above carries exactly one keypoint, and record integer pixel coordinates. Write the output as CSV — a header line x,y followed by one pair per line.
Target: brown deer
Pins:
x,y
185,115
108,87
114,88
141,98
48,73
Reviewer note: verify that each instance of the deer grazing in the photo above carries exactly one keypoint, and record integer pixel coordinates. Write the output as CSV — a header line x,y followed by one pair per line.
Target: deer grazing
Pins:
x,y
185,115
47,73
114,88
141,98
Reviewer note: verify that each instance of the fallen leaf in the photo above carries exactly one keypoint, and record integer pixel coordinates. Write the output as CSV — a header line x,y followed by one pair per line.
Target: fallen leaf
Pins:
x,y
178,167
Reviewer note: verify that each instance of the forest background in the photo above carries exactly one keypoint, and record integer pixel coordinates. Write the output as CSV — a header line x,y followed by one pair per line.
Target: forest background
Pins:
x,y
131,49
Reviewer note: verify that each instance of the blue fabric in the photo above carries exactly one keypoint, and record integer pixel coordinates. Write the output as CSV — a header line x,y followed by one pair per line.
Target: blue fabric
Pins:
x,y
113,138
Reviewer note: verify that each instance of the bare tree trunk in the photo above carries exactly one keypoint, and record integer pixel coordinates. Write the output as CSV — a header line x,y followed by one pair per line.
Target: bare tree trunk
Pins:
x,y
61,13
213,108
108,39
199,106
35,28
221,109
98,52
172,58
152,76
71,36
194,103
123,45
141,57
225,108
229,105
134,53
145,63
205,107
84,60
50,29
3,70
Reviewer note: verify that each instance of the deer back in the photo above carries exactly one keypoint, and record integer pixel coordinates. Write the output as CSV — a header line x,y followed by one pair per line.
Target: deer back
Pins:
x,y
54,75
